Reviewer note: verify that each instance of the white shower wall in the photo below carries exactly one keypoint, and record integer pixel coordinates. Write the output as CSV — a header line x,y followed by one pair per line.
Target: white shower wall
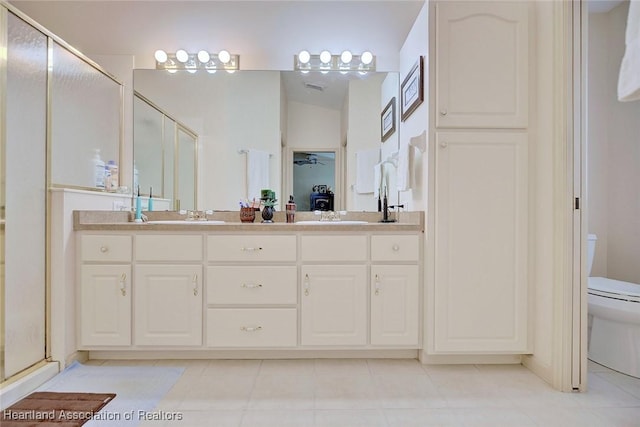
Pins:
x,y
613,153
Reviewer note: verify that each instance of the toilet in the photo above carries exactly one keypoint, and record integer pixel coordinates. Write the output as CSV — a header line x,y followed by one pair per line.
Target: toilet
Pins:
x,y
614,320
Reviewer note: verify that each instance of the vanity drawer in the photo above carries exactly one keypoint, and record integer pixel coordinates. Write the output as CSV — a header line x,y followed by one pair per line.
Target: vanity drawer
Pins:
x,y
334,248
168,248
252,285
251,248
395,248
249,327
108,248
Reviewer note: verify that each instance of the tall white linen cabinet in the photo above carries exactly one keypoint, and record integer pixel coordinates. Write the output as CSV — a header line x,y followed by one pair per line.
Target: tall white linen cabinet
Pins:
x,y
480,179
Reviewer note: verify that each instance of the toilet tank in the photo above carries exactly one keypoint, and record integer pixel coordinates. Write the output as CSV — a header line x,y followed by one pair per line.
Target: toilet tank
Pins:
x,y
591,251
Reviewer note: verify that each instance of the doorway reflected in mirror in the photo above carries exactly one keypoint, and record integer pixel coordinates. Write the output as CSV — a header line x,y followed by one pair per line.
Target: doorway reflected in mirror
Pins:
x,y
314,174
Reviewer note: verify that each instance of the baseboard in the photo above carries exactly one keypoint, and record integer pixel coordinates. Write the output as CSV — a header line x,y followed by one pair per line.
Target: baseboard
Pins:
x,y
77,356
470,359
254,354
543,371
25,383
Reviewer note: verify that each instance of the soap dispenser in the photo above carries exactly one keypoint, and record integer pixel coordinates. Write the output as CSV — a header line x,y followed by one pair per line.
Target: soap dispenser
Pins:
x,y
291,209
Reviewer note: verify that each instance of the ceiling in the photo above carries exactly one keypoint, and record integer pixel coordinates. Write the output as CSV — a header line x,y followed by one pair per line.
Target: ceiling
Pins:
x,y
266,34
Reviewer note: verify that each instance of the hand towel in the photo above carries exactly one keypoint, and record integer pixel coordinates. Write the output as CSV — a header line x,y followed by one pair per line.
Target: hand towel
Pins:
x,y
257,173
365,161
403,173
629,80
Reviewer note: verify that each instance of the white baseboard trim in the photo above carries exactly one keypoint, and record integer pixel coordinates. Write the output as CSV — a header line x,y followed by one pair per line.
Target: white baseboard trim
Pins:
x,y
543,371
470,359
19,388
253,354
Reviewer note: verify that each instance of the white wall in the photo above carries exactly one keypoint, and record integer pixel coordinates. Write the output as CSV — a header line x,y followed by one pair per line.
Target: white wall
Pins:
x,y
541,265
613,144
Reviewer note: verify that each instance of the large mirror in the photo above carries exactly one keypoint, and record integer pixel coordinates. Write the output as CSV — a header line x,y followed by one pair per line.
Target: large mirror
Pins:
x,y
296,124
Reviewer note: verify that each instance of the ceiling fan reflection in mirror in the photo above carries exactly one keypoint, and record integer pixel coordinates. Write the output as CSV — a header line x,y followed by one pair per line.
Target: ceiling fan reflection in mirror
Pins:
x,y
307,159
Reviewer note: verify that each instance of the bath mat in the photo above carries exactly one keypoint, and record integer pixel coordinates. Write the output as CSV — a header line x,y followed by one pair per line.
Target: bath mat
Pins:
x,y
139,390
51,408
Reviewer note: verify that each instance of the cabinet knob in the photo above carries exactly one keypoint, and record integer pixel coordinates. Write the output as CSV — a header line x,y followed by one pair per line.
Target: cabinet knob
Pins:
x,y
104,249
250,328
251,285
443,112
395,247
306,285
443,144
377,292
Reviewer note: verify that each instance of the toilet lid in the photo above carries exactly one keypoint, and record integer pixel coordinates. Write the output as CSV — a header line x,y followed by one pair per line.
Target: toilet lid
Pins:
x,y
616,287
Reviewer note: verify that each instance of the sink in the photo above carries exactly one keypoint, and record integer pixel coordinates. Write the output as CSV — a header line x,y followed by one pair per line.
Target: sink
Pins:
x,y
331,222
182,221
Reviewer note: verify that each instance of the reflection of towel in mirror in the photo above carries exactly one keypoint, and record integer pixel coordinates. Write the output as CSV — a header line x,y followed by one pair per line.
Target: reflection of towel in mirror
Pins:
x,y
377,180
404,167
365,161
257,173
629,80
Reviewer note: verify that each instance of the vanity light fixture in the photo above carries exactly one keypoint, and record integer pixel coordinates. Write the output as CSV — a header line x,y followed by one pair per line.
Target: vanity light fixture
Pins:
x,y
326,61
192,62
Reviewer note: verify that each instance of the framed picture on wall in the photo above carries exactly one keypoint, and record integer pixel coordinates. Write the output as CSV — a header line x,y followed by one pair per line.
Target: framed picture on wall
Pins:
x,y
412,90
388,120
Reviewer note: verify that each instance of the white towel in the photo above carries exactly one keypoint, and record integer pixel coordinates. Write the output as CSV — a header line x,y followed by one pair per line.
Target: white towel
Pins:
x,y
365,161
257,173
629,80
377,180
420,141
403,178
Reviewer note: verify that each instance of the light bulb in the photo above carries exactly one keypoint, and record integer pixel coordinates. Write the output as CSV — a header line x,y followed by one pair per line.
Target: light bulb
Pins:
x,y
182,55
224,56
160,55
304,57
366,57
203,56
346,57
325,56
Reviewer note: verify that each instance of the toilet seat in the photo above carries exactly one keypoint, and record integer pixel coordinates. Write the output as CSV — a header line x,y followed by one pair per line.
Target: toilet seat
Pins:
x,y
614,289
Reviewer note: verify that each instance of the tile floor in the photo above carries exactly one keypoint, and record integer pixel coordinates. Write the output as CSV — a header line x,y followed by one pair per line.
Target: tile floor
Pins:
x,y
403,393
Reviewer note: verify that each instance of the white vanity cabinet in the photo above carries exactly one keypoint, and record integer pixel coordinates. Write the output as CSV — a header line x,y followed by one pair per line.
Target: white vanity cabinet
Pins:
x,y
104,290
210,291
252,291
334,290
395,290
168,289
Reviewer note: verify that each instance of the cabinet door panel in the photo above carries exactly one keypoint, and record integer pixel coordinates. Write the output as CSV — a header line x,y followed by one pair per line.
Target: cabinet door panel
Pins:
x,y
334,305
481,228
394,305
105,305
482,61
168,305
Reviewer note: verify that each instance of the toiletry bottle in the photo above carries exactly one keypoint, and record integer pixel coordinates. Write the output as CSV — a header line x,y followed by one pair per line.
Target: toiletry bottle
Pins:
x,y
138,207
98,170
150,204
113,175
291,210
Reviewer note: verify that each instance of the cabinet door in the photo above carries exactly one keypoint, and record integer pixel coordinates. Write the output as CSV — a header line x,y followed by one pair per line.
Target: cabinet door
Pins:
x,y
481,228
168,305
105,305
334,305
482,62
394,305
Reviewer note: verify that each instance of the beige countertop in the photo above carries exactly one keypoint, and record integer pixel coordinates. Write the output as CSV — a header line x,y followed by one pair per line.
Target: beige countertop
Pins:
x,y
122,221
